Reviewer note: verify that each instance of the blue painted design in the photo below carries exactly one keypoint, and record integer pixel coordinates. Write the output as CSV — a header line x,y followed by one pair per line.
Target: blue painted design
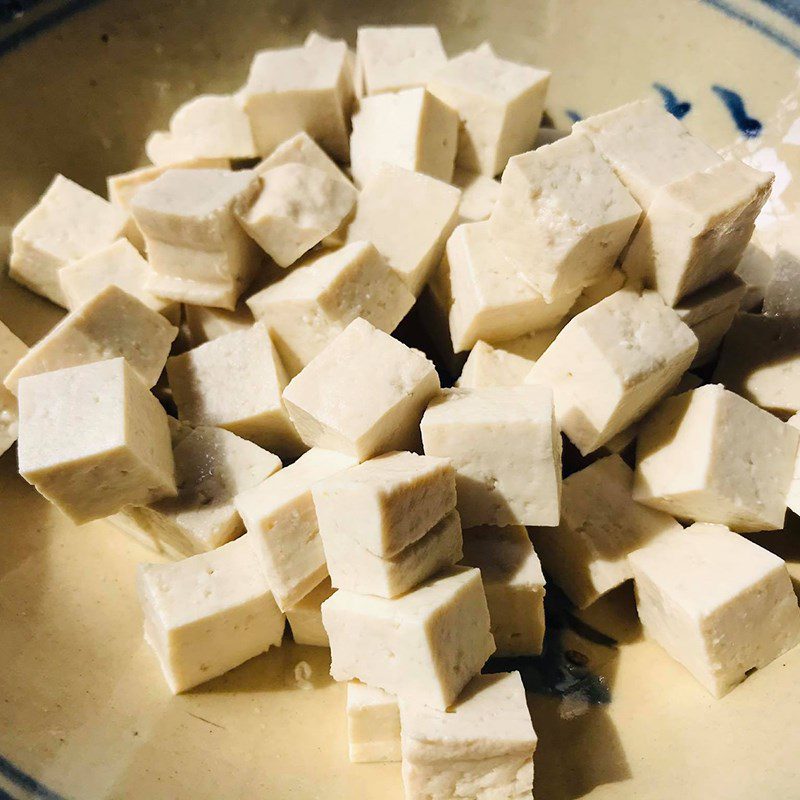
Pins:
x,y
678,108
573,115
789,8
26,782
748,126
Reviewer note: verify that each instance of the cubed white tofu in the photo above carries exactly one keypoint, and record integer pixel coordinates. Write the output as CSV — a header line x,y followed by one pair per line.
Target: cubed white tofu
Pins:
x,y
297,208
317,39
408,217
306,310
755,268
506,450
93,439
514,586
710,333
712,299
282,524
207,614
207,126
363,395
198,251
601,525
711,456
300,89
499,103
717,603
612,363
760,360
424,646
479,194
68,223
782,295
387,503
481,748
793,499
492,298
395,57
595,292
305,616
301,149
206,324
235,382
373,724
563,216
412,129
111,324
12,349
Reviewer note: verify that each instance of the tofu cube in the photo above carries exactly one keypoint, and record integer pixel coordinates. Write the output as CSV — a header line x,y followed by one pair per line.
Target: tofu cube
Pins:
x,y
408,217
235,382
563,216
363,395
479,194
305,616
300,89
306,310
12,349
205,324
297,208
760,360
282,524
111,324
68,223
793,500
207,614
412,129
387,503
492,299
514,586
782,297
601,525
198,251
301,149
373,724
717,603
481,748
735,461
710,334
93,439
506,450
424,646
595,292
756,268
395,57
612,363
499,103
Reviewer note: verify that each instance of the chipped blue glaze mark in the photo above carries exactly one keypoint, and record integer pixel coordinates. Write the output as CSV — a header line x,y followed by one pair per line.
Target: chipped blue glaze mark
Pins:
x,y
748,126
573,115
678,108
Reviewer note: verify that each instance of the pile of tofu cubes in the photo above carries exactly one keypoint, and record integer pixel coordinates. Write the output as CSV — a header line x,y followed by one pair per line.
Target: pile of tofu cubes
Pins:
x,y
313,468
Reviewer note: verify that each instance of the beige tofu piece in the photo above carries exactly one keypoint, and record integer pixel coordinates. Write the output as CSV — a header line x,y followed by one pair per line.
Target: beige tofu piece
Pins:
x,y
317,39
793,500
373,724
111,324
782,295
601,525
760,360
514,586
198,251
563,216
300,89
492,298
722,295
282,524
363,395
305,616
711,456
412,129
93,439
696,229
68,223
395,57
206,324
506,449
212,466
235,382
309,307
297,208
207,614
481,748
479,194
710,334
408,217
612,363
756,268
499,103
387,503
12,349
595,292
424,646
120,264
717,603
301,149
